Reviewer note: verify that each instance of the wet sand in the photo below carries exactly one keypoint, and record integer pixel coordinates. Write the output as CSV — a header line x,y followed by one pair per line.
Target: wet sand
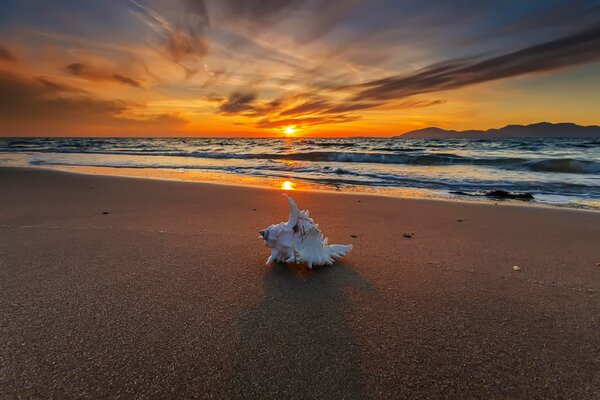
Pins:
x,y
131,288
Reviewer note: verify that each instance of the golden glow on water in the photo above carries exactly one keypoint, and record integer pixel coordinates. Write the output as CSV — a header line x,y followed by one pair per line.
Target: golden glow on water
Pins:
x,y
278,184
287,185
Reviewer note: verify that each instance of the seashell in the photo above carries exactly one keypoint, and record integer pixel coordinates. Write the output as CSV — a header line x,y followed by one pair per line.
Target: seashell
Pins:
x,y
300,241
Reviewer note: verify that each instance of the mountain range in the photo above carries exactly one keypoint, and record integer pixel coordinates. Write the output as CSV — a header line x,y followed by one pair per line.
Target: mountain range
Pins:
x,y
539,130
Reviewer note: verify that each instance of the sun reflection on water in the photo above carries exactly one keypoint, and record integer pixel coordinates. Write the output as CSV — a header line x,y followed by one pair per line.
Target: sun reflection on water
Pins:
x,y
287,185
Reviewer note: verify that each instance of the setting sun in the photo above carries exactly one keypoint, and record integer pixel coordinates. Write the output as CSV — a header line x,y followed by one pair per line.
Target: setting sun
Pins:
x,y
290,130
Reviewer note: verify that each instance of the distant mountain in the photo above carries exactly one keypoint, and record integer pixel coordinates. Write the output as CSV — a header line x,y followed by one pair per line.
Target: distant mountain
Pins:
x,y
539,130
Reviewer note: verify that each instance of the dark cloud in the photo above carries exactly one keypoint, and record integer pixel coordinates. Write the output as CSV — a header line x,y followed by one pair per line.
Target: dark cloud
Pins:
x,y
180,46
238,102
28,101
58,87
565,52
6,55
44,99
94,73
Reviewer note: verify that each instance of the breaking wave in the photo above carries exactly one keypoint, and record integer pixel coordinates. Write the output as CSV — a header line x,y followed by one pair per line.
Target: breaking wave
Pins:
x,y
566,165
557,167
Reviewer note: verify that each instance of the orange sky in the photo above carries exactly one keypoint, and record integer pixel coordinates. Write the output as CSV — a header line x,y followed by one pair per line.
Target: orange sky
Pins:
x,y
208,68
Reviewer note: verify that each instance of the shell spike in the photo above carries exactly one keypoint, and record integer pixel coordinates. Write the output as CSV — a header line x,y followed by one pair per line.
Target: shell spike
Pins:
x,y
293,219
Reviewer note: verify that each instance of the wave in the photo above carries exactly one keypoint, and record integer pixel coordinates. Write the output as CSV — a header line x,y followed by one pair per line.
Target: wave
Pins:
x,y
563,165
338,175
539,156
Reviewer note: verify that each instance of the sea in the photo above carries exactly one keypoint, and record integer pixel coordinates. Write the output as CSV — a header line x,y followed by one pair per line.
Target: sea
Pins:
x,y
556,172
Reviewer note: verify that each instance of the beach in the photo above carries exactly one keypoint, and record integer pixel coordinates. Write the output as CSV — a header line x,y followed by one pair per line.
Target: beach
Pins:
x,y
136,288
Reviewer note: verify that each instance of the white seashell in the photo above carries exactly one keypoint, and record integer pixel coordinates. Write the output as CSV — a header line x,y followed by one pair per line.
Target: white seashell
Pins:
x,y
299,240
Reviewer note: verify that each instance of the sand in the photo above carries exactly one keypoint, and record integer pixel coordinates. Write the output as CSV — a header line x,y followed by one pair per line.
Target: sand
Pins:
x,y
131,288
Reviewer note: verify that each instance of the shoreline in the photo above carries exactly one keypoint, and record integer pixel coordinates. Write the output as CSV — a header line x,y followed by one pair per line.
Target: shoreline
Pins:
x,y
233,180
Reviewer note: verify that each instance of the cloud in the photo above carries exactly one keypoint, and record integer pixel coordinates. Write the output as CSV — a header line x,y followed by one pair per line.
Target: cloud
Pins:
x,y
181,46
184,46
94,73
27,102
267,123
259,11
565,52
58,87
6,55
304,109
44,99
197,18
316,17
238,102
308,107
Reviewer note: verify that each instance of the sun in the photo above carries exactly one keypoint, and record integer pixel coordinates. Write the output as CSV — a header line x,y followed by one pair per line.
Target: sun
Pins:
x,y
290,130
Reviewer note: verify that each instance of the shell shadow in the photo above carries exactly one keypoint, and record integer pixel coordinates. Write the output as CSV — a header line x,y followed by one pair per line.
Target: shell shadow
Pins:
x,y
297,343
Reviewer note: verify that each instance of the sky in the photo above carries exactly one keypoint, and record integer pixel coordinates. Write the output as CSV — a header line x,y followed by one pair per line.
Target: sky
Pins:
x,y
259,68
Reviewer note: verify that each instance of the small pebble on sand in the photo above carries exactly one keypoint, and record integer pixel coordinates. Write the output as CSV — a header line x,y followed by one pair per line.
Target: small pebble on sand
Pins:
x,y
408,235
353,236
516,268
104,212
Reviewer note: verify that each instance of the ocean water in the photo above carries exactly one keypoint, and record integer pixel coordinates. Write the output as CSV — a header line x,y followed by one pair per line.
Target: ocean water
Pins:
x,y
562,172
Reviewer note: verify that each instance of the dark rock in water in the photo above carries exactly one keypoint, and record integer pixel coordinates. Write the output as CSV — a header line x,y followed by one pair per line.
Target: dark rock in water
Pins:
x,y
339,171
408,235
503,194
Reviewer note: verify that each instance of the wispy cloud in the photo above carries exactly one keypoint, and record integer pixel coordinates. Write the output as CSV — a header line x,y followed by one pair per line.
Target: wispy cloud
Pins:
x,y
238,102
304,109
94,73
318,17
557,54
6,55
180,45
47,101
